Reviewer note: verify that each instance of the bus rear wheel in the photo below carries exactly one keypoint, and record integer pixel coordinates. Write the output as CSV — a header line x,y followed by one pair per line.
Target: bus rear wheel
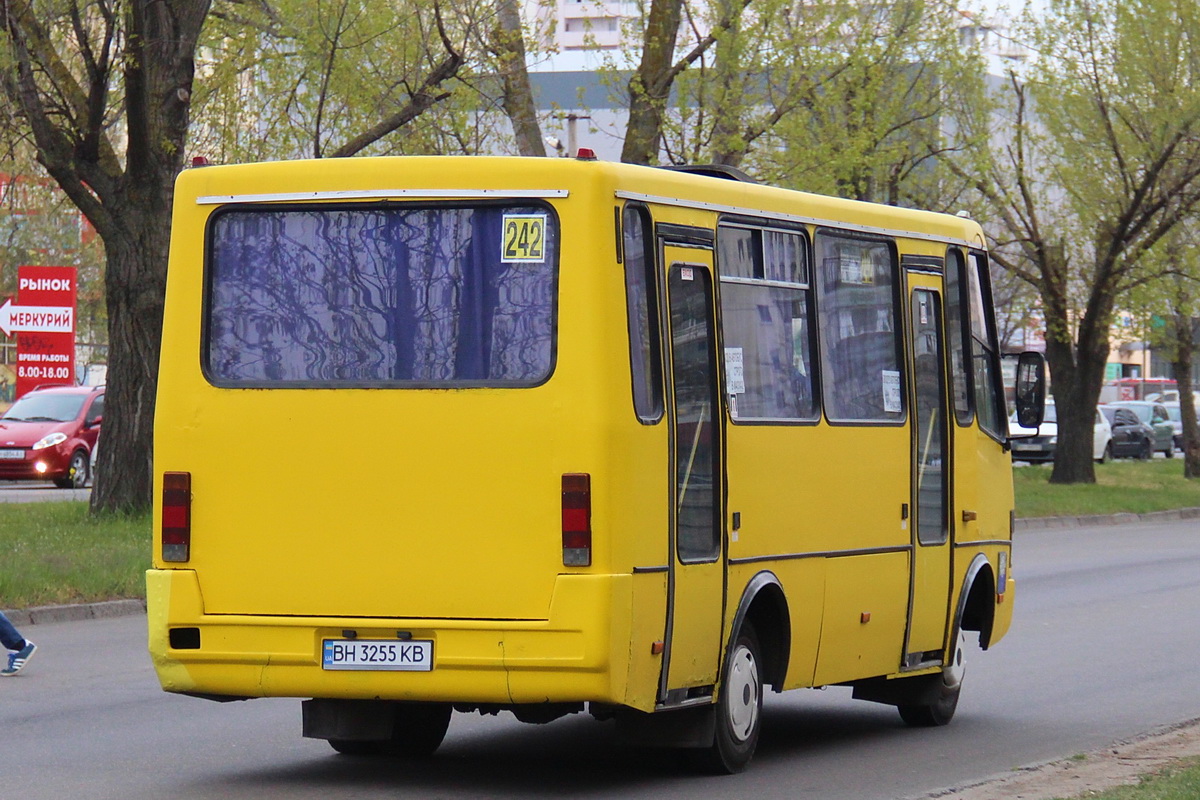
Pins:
x,y
417,731
939,710
739,708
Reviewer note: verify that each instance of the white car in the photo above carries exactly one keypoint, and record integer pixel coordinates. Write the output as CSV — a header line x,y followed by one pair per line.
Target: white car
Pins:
x,y
1038,446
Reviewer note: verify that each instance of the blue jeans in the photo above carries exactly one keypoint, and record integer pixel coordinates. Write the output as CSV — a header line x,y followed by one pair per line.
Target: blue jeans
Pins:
x,y
9,637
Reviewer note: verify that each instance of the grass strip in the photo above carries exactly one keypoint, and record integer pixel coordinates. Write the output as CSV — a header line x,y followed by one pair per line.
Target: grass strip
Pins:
x,y
1137,487
1179,781
55,552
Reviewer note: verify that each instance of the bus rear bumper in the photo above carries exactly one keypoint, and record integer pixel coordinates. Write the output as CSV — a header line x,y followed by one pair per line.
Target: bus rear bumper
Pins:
x,y
578,654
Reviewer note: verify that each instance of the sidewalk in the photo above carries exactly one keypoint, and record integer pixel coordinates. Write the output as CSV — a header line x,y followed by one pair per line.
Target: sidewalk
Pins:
x,y
1045,523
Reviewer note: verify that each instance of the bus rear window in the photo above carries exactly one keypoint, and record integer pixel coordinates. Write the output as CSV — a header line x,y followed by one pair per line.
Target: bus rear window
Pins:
x,y
381,296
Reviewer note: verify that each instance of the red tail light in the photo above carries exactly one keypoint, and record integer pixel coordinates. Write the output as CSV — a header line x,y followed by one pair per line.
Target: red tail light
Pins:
x,y
176,516
577,520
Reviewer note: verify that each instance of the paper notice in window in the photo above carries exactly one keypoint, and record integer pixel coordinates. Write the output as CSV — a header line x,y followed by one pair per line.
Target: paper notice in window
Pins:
x,y
735,378
891,392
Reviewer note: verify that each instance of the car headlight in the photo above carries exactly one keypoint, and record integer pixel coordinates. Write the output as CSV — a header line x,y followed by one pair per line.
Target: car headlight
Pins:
x,y
50,440
1053,440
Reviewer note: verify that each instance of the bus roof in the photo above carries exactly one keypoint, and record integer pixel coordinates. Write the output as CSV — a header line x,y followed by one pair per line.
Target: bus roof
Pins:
x,y
458,177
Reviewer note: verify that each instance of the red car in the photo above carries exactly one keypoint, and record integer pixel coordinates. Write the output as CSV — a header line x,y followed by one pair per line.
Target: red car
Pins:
x,y
48,435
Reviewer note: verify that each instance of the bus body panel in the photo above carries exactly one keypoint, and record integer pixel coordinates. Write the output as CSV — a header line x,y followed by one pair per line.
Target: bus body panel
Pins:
x,y
865,614
580,651
395,469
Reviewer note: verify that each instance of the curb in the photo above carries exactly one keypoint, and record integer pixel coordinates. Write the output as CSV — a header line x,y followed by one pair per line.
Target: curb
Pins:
x,y
1054,523
75,613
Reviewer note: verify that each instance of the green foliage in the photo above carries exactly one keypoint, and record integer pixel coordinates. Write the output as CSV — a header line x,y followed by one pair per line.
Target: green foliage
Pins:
x,y
303,78
833,96
54,553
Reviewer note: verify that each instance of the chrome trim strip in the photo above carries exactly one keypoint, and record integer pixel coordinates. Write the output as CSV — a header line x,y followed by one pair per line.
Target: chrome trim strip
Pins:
x,y
649,570
866,551
769,215
984,543
380,194
706,700
764,282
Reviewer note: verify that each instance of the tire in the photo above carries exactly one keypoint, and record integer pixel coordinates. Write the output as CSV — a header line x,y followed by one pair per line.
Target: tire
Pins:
x,y
1170,451
941,711
77,473
417,732
1146,451
1107,455
738,710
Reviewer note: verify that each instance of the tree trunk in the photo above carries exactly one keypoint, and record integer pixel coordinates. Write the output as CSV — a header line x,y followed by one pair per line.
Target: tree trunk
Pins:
x,y
161,44
135,286
509,46
1185,348
650,86
1077,374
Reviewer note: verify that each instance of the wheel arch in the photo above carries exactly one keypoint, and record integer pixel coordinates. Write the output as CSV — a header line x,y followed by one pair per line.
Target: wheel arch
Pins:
x,y
764,605
976,602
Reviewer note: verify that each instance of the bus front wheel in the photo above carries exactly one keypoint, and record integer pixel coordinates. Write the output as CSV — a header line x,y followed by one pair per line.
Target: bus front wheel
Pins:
x,y
937,708
739,708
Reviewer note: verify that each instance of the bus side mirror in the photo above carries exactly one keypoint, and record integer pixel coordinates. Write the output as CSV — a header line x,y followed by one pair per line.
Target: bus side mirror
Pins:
x,y
1030,394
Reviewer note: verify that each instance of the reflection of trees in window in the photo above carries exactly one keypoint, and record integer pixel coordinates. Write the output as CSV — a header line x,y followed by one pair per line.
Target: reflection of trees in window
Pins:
x,y
765,319
641,301
377,295
984,350
860,366
696,448
957,336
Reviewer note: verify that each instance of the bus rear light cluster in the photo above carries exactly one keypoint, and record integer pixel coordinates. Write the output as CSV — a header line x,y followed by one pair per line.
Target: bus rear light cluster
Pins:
x,y
576,519
176,516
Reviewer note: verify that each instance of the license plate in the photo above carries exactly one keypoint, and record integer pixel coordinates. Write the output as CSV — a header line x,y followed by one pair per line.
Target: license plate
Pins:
x,y
12,455
414,655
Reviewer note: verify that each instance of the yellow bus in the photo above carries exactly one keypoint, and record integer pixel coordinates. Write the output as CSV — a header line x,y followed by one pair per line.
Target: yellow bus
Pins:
x,y
466,434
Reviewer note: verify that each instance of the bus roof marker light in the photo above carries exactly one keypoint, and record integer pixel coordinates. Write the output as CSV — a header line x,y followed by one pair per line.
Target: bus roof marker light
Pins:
x,y
176,516
576,519
585,154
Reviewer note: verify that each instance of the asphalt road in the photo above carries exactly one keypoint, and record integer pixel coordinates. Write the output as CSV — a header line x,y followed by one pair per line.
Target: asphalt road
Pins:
x,y
1103,648
34,491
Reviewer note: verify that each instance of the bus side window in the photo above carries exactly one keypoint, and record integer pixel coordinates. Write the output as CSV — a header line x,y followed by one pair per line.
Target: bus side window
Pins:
x,y
860,352
957,336
641,297
984,350
767,323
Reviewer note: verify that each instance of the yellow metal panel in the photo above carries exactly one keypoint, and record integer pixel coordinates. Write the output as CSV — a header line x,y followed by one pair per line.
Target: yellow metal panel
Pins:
x,y
570,657
648,629
866,605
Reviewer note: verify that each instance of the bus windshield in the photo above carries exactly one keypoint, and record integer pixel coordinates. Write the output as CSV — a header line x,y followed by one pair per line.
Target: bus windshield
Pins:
x,y
364,296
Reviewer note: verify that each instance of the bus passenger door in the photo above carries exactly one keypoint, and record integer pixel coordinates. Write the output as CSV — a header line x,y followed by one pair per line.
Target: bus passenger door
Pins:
x,y
696,579
929,592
